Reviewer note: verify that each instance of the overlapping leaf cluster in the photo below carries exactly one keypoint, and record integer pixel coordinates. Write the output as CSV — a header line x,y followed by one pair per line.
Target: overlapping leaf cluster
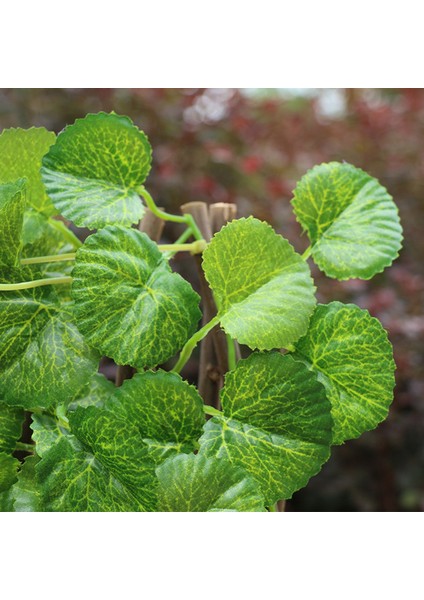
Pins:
x,y
316,375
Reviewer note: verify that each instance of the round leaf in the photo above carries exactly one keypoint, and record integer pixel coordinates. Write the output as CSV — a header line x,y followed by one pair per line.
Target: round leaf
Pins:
x,y
11,421
164,407
189,483
351,220
276,423
350,352
21,151
94,169
263,289
12,206
128,303
43,357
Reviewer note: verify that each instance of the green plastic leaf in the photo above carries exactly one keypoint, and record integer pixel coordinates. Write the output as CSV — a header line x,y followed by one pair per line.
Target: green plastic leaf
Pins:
x,y
350,352
147,312
26,492
46,432
94,169
95,394
189,483
276,423
167,411
11,421
263,289
73,479
43,236
117,445
43,357
351,220
8,471
12,206
21,151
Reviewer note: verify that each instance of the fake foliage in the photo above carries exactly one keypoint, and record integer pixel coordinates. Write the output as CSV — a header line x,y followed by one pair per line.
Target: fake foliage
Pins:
x,y
317,375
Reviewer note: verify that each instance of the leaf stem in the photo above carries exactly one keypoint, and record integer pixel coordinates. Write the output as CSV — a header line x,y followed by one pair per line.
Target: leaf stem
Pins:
x,y
34,260
25,285
232,360
196,247
192,343
188,219
210,410
25,447
307,253
272,508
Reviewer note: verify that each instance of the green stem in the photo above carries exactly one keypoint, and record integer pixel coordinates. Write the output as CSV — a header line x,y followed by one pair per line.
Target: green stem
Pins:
x,y
25,285
307,253
181,240
188,219
67,233
192,343
232,361
196,247
25,447
210,410
34,260
272,508
61,416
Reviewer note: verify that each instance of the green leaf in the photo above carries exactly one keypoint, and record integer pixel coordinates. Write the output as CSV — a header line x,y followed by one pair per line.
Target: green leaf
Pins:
x,y
12,206
26,492
44,359
117,445
189,483
11,421
73,479
94,169
350,352
276,423
8,471
21,151
351,220
263,289
46,432
95,394
167,411
44,236
147,312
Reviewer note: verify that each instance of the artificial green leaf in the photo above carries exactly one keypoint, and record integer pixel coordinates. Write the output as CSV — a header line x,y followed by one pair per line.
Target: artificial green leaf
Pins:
x,y
26,492
165,409
6,501
93,171
350,352
21,151
351,220
43,236
147,312
263,289
8,471
73,479
189,483
44,359
11,420
12,206
46,432
117,445
276,423
95,394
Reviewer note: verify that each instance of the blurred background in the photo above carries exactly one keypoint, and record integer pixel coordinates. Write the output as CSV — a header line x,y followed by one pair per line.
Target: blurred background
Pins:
x,y
250,146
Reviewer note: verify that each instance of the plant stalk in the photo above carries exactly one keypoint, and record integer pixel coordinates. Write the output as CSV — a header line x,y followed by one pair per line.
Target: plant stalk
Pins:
x,y
26,285
192,343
